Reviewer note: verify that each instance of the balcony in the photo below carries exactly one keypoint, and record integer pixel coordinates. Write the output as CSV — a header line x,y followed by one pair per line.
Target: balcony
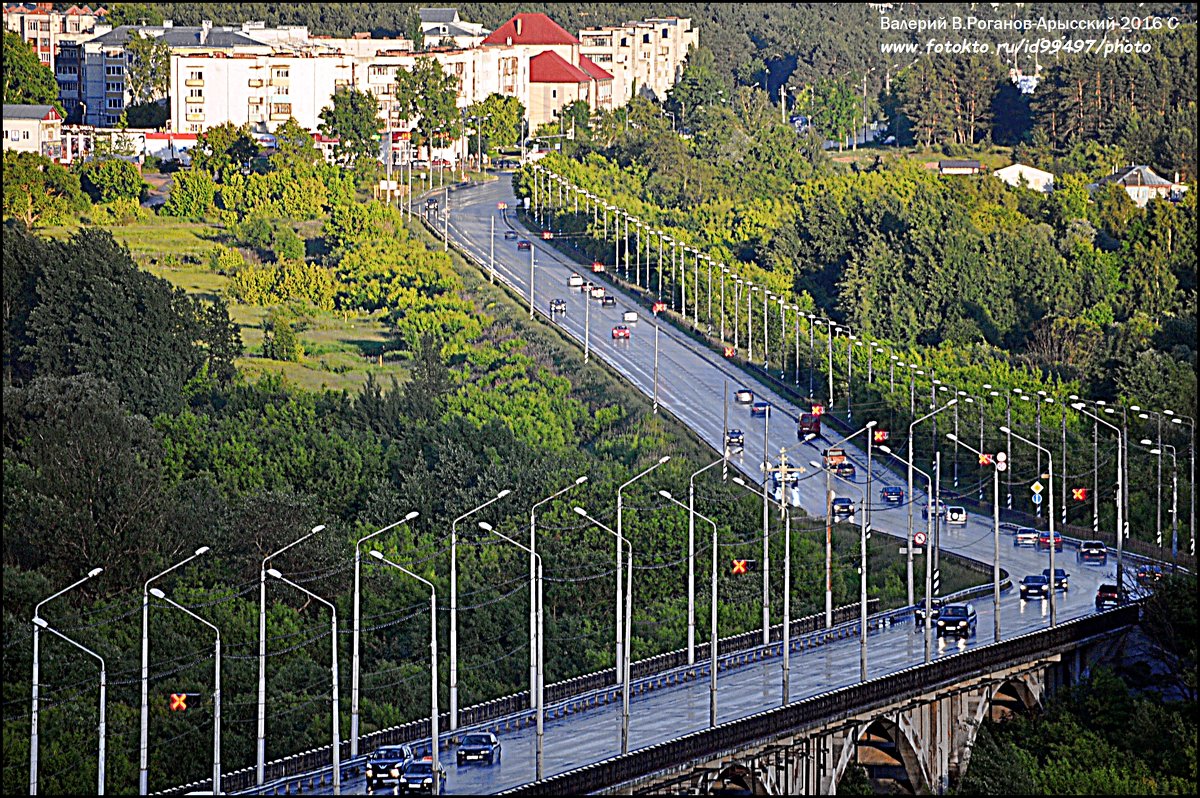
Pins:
x,y
278,81
194,82
196,117
199,99
280,117
255,83
255,100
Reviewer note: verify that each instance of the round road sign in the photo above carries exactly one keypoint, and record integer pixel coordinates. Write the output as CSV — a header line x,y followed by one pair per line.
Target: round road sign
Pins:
x,y
919,538
1037,498
1001,457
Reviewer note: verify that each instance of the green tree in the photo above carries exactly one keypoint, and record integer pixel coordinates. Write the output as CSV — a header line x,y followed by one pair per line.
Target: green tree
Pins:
x,y
428,94
134,14
287,244
295,150
38,191
27,81
148,75
192,195
500,124
279,339
224,150
111,179
352,119
700,85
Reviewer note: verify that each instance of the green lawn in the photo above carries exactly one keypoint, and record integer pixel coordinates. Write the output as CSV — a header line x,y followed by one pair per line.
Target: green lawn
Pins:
x,y
159,238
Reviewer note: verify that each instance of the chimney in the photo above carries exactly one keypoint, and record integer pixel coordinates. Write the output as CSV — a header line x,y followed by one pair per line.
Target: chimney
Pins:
x,y
518,26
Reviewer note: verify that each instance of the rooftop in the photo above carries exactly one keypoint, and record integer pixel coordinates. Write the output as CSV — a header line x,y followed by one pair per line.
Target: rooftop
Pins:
x,y
536,29
550,67
29,111
1133,175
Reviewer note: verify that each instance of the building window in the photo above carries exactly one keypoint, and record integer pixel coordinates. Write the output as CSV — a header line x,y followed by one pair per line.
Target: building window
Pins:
x,y
280,73
281,108
282,91
114,88
666,33
114,71
196,93
624,41
195,74
115,103
645,38
25,135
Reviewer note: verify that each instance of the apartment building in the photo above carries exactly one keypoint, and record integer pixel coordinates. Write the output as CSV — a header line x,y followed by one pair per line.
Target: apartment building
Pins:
x,y
45,29
644,58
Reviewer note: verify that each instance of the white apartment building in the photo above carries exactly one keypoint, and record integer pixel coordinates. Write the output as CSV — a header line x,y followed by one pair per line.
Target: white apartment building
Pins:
x,y
45,29
645,58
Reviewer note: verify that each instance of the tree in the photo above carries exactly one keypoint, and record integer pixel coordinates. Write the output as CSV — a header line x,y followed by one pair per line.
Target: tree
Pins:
x,y
428,94
192,195
27,81
352,119
148,75
224,149
134,14
38,191
111,179
501,121
295,150
698,86
148,115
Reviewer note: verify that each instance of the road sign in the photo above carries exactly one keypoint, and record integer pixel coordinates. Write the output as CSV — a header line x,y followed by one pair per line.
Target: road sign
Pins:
x,y
937,580
880,435
904,550
1001,457
1036,487
919,538
178,701
547,235
1079,494
658,307
1001,465
985,459
730,352
500,206
818,409
743,567
1037,498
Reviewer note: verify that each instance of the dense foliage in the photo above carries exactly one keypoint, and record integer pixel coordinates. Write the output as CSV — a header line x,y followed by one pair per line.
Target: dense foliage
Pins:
x,y
27,81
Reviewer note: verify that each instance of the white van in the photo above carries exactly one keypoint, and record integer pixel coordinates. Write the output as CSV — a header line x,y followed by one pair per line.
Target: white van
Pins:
x,y
956,516
630,317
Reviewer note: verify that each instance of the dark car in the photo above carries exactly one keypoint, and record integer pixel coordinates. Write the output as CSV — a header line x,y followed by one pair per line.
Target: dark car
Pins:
x,y
1149,574
608,301
1092,551
1043,540
935,609
759,409
1035,586
843,508
735,439
892,494
938,506
558,306
1061,578
418,777
480,747
510,235
957,619
387,764
1107,596
524,245
431,203
809,424
845,469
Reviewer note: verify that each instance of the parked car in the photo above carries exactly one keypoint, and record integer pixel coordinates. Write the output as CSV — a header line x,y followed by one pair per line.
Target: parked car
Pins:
x,y
620,331
1035,586
608,301
743,396
558,306
523,245
1107,596
845,469
956,516
759,409
386,764
510,235
892,494
939,508
1025,536
1149,574
418,777
1043,540
482,746
935,605
575,281
735,439
1061,578
957,619
442,162
1092,551
420,163
506,163
843,508
630,317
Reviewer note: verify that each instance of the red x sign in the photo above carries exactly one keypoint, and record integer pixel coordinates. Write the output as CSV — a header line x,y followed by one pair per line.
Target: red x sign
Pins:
x,y
739,567
818,409
179,702
658,307
730,351
1079,494
880,435
985,459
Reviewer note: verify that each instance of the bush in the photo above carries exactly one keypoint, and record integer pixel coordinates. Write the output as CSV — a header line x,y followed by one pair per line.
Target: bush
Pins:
x,y
223,260
255,233
120,211
192,195
111,179
288,245
280,341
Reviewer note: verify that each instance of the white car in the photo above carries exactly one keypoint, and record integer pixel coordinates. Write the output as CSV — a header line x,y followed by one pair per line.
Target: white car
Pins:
x,y
597,292
956,516
743,396
574,281
630,316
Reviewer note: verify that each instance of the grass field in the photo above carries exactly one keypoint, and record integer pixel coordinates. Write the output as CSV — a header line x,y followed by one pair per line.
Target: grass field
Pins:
x,y
159,238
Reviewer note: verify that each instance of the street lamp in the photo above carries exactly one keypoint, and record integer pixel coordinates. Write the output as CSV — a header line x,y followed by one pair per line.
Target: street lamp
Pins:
x,y
454,605
691,635
1050,516
1145,415
38,625
535,596
1177,419
935,501
337,741
928,558
624,679
999,465
216,767
712,635
354,668
1174,492
433,666
828,529
144,733
1120,492
620,534
262,652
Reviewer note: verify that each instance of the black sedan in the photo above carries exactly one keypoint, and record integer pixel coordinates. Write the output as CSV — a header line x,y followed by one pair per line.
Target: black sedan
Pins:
x,y
479,747
386,765
1035,586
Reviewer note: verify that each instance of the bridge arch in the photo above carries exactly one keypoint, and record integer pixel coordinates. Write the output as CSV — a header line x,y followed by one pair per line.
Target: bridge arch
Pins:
x,y
736,778
886,751
1014,697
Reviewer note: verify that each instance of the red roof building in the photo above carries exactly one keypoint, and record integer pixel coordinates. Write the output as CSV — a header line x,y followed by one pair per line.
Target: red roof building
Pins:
x,y
549,67
536,30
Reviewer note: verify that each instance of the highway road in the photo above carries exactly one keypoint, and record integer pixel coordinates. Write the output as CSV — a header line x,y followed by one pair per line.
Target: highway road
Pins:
x,y
691,384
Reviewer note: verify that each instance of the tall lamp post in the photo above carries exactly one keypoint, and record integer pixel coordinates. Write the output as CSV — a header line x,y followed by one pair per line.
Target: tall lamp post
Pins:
x,y
1049,517
433,667
216,767
1178,419
999,465
621,638
829,531
337,740
355,658
144,732
535,594
1079,406
864,529
1158,450
38,625
262,652
712,635
691,635
621,665
454,604
935,501
928,557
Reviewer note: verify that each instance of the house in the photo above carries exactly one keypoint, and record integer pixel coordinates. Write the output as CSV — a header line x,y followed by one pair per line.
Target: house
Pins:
x,y
442,26
959,167
33,128
1019,174
1142,184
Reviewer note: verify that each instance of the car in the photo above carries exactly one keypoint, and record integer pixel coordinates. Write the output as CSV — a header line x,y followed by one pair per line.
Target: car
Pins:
x,y
759,409
479,746
442,162
1007,527
1043,540
558,306
935,608
510,235
608,301
1092,551
1107,596
586,287
431,203
386,764
843,508
956,516
420,163
957,619
743,396
1035,586
596,292
939,508
1025,536
506,163
1061,578
809,424
597,266
892,494
575,281
524,245
629,317
845,469
1149,574
620,331
418,777
735,439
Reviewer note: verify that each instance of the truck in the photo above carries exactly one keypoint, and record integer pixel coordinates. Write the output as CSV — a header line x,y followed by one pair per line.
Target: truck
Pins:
x,y
810,423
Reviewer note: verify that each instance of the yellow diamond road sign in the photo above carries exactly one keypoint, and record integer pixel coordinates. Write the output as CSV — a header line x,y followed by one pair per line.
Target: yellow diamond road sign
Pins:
x,y
1036,487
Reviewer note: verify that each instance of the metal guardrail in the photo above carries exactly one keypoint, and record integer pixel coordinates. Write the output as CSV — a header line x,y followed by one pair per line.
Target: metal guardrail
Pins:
x,y
819,708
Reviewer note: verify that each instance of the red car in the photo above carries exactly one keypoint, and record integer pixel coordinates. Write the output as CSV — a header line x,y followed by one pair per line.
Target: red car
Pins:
x,y
620,331
1043,541
442,162
597,266
523,245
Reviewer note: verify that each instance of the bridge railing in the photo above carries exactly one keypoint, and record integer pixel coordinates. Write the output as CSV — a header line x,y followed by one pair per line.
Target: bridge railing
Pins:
x,y
820,708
